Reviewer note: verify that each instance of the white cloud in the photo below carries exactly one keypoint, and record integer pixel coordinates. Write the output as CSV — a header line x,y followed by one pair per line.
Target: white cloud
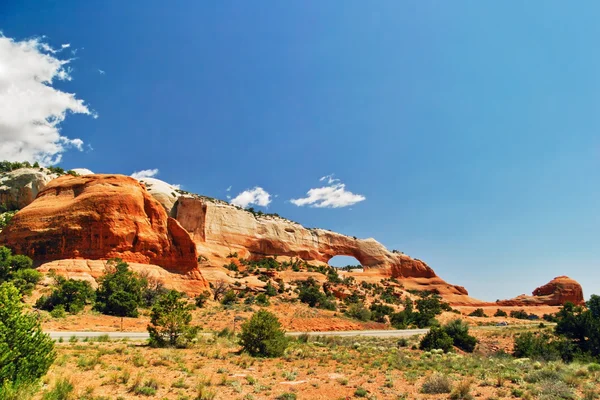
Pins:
x,y
146,173
65,46
228,189
333,196
257,196
31,109
101,71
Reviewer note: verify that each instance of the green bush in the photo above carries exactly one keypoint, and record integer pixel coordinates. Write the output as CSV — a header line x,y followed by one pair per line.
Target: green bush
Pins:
x,y
380,311
542,346
120,291
229,298
436,338
18,270
71,294
309,293
478,313
170,321
26,352
62,390
500,313
520,314
262,300
262,335
359,312
459,332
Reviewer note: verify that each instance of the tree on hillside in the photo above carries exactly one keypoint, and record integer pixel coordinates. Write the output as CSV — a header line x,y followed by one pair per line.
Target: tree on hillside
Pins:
x,y
120,291
26,353
18,269
72,294
170,321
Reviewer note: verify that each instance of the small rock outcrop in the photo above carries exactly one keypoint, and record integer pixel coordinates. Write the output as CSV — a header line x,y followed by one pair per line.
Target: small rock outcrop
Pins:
x,y
99,217
557,292
20,187
165,193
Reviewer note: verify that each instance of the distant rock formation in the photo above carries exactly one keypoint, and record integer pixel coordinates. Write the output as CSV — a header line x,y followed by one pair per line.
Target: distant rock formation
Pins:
x,y
100,217
557,292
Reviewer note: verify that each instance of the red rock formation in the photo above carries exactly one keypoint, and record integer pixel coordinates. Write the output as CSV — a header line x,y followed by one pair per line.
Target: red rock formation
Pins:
x,y
100,217
555,293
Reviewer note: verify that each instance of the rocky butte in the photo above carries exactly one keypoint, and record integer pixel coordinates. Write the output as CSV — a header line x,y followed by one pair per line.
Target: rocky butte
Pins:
x,y
96,217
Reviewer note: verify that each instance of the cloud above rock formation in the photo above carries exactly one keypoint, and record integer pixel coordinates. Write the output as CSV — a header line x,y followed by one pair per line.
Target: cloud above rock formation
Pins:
x,y
256,196
334,195
145,173
31,108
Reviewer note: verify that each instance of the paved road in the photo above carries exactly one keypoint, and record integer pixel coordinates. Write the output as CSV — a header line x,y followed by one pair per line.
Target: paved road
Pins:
x,y
144,335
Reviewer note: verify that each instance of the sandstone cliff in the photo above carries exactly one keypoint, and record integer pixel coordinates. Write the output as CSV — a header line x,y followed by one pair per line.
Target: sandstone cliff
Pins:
x,y
99,217
555,293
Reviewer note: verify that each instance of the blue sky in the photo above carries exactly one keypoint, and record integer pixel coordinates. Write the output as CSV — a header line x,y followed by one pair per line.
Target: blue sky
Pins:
x,y
471,128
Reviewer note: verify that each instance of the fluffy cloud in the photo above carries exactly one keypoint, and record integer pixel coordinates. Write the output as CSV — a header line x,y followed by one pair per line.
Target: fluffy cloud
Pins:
x,y
145,173
334,195
31,109
257,196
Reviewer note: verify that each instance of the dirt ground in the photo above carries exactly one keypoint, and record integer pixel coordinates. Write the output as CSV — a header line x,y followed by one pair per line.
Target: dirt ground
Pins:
x,y
322,368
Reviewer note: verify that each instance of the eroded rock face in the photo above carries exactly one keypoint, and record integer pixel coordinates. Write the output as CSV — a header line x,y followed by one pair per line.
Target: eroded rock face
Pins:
x,y
19,188
219,229
100,217
557,292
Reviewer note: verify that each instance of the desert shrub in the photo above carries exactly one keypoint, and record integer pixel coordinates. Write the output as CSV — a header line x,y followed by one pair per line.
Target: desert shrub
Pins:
x,y
262,335
359,312
437,383
5,218
520,314
436,338
428,306
478,313
309,293
26,352
231,266
270,290
120,291
58,312
229,298
262,300
18,270
380,311
170,321
62,390
542,346
462,391
202,298
71,294
25,280
459,332
581,326
500,313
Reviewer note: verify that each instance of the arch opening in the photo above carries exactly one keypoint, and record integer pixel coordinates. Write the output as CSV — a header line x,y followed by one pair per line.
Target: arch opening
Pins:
x,y
345,262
